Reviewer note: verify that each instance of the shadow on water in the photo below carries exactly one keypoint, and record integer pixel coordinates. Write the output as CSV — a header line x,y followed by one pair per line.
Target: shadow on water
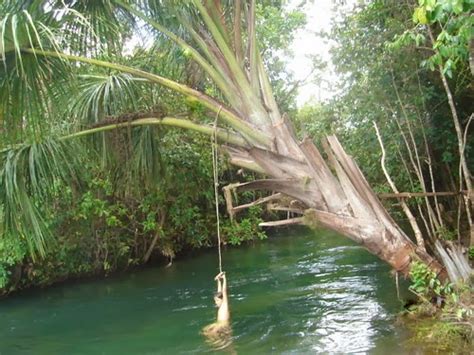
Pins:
x,y
297,292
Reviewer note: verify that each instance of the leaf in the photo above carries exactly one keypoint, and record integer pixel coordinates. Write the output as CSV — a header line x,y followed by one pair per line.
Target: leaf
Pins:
x,y
457,6
430,4
447,69
419,16
437,14
419,39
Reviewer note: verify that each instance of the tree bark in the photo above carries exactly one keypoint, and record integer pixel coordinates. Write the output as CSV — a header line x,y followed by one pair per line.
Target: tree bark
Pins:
x,y
334,195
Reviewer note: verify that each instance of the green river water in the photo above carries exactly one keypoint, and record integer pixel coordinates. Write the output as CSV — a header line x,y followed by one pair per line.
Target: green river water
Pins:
x,y
297,292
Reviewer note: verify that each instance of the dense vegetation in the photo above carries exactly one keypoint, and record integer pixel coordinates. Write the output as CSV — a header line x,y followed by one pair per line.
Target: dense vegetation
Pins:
x,y
392,64
139,194
130,195
121,196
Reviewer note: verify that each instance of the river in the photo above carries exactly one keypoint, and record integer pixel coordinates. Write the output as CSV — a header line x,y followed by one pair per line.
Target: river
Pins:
x,y
297,292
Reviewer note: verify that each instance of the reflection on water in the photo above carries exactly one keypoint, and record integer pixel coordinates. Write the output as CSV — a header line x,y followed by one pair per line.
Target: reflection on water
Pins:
x,y
298,292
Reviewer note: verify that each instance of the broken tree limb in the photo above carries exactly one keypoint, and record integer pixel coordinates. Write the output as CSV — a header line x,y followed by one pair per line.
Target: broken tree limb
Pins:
x,y
300,189
284,222
260,201
228,201
284,209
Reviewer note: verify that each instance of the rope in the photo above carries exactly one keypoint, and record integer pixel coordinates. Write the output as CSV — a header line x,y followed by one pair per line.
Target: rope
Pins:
x,y
216,184
396,284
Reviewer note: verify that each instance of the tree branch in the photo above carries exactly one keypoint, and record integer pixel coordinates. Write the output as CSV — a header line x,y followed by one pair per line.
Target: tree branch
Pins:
x,y
223,135
406,209
284,222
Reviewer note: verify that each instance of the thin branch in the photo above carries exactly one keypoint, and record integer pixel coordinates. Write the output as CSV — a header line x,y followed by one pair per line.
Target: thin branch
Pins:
x,y
419,170
428,151
260,201
406,209
418,194
223,135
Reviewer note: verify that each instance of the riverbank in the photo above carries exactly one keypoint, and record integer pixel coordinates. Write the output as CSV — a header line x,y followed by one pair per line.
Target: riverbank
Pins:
x,y
442,318
440,330
98,232
69,269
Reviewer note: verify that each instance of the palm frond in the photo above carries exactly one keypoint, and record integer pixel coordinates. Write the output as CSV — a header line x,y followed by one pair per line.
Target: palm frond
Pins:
x,y
146,164
103,26
29,84
104,95
28,175
30,97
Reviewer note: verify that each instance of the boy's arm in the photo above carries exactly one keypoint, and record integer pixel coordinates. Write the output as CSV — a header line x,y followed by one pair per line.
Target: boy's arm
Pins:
x,y
224,287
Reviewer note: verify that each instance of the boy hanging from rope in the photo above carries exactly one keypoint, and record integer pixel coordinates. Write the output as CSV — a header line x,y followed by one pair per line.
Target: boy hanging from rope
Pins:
x,y
219,334
221,300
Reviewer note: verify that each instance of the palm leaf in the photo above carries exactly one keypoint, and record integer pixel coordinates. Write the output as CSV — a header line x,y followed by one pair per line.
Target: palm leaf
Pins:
x,y
146,164
28,175
104,95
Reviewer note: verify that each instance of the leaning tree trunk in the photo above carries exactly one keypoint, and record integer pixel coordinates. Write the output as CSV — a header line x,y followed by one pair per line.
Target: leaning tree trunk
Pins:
x,y
342,201
332,193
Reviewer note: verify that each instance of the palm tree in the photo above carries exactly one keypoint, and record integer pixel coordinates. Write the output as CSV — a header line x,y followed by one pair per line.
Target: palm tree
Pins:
x,y
48,46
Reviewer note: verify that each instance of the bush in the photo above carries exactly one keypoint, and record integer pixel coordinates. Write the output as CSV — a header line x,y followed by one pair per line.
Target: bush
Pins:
x,y
426,284
246,229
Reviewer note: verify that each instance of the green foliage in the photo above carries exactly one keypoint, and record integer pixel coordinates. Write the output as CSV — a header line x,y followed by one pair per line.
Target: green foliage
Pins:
x,y
446,233
379,55
12,252
471,253
106,224
425,283
439,336
440,326
451,44
135,185
27,174
246,229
